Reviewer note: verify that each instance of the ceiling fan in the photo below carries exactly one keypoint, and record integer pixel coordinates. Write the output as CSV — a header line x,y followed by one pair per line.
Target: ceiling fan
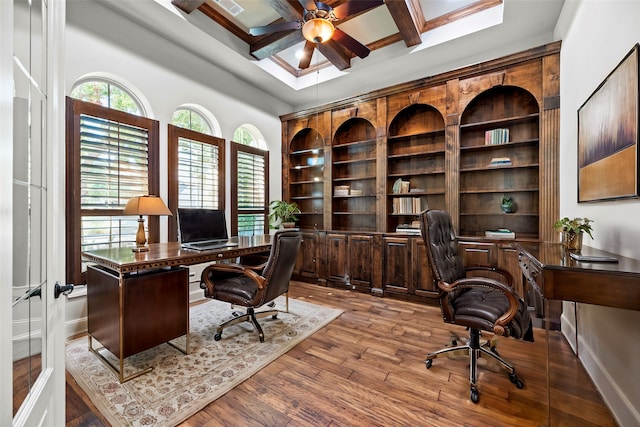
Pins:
x,y
318,25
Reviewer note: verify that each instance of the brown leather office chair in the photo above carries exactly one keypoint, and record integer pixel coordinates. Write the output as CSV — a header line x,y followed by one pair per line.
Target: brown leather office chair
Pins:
x,y
253,286
479,303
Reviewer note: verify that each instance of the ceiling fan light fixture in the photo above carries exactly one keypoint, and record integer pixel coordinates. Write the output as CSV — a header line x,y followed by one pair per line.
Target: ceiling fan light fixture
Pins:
x,y
318,30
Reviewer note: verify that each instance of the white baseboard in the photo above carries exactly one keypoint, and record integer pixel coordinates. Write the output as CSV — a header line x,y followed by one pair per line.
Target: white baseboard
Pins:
x,y
75,327
621,407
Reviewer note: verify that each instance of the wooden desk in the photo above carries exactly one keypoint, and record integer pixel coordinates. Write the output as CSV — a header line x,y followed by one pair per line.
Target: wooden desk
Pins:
x,y
557,276
137,300
551,271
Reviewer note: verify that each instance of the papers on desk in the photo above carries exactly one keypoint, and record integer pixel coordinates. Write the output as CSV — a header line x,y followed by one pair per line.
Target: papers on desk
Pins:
x,y
593,258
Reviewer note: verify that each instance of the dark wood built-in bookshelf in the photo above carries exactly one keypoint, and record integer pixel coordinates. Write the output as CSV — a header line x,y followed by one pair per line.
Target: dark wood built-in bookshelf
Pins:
x,y
362,169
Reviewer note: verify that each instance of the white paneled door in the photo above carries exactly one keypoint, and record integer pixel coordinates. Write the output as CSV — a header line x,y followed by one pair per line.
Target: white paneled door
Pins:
x,y
32,212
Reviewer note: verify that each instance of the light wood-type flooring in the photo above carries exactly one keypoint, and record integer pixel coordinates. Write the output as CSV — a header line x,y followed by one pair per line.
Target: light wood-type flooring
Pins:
x,y
367,368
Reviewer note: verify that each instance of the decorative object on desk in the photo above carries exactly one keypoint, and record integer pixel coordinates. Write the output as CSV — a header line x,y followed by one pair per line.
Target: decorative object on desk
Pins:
x,y
608,135
180,385
572,231
507,204
282,214
144,205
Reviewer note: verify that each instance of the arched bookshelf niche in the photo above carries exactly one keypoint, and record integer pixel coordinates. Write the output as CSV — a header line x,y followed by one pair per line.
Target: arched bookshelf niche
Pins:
x,y
353,174
499,156
415,164
306,177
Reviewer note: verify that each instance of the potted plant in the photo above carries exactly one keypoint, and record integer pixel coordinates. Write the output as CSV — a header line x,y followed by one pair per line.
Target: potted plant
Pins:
x,y
572,230
282,214
507,204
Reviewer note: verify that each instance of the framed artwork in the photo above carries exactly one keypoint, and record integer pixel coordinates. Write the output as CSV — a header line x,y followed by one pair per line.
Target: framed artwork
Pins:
x,y
608,136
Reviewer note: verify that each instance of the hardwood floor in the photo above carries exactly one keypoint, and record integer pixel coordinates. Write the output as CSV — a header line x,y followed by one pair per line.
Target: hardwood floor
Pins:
x,y
366,368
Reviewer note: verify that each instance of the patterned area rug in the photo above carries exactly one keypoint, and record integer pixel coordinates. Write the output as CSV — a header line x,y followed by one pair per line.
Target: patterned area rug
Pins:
x,y
180,385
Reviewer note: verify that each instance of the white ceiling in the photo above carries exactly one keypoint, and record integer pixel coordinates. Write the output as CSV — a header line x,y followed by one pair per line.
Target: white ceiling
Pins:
x,y
507,28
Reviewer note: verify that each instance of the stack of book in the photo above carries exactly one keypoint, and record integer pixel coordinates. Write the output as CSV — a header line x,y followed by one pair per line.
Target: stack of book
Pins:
x,y
413,228
500,233
341,190
496,136
500,161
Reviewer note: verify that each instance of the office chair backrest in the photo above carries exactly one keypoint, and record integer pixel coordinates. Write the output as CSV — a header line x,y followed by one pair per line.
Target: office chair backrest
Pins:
x,y
282,259
441,244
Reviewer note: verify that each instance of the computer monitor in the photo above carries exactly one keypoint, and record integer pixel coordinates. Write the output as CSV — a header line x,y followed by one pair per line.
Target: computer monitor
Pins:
x,y
201,225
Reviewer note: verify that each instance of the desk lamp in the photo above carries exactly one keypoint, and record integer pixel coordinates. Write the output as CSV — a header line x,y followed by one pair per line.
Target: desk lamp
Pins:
x,y
144,205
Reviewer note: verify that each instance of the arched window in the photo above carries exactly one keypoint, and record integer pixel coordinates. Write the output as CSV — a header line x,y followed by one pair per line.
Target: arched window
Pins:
x,y
116,149
189,118
249,182
249,135
108,94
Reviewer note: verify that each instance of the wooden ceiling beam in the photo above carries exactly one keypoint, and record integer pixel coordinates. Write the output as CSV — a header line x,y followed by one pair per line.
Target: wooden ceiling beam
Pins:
x,y
290,10
268,45
187,6
409,18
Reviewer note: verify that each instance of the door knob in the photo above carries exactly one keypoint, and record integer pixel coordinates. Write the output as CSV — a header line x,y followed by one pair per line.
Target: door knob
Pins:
x,y
59,290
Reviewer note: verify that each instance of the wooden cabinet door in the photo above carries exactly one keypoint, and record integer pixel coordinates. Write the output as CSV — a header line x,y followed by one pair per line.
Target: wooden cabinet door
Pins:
x,y
508,260
422,279
397,265
336,258
306,265
478,253
361,265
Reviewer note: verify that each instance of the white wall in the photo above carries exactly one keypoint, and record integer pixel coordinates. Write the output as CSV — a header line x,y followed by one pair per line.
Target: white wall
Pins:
x,y
596,35
100,41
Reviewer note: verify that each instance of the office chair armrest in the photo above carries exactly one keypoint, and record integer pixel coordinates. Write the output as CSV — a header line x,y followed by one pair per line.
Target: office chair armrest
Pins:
x,y
209,284
508,278
484,282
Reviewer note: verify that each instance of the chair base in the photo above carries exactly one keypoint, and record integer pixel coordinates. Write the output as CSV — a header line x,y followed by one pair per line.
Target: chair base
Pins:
x,y
251,316
475,351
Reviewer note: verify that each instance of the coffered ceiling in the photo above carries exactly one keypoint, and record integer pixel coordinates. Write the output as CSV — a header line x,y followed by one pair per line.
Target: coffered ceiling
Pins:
x,y
407,39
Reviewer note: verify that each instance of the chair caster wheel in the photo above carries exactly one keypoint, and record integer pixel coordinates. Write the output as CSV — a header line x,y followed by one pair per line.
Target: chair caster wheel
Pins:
x,y
474,395
218,336
514,379
428,362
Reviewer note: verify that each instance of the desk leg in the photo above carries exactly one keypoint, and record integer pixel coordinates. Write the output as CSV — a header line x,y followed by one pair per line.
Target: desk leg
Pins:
x,y
118,370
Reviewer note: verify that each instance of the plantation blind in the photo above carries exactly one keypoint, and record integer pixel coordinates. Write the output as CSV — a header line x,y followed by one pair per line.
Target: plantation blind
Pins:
x,y
251,171
196,172
112,157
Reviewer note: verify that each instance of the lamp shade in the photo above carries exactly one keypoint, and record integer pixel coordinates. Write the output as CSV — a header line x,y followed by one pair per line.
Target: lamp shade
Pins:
x,y
317,30
146,205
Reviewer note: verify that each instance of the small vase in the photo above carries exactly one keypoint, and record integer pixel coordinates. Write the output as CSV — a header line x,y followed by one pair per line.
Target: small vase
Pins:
x,y
572,241
507,208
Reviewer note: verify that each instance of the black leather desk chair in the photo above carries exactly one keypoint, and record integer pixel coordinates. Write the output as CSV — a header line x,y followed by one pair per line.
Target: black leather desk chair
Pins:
x,y
251,286
479,303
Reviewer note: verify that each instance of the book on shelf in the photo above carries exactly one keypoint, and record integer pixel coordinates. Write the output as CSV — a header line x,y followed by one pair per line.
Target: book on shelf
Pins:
x,y
500,233
400,186
408,205
496,136
500,161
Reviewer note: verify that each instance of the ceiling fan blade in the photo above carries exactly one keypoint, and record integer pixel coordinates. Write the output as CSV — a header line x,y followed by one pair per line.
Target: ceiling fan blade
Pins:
x,y
274,28
350,43
305,61
354,7
308,4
